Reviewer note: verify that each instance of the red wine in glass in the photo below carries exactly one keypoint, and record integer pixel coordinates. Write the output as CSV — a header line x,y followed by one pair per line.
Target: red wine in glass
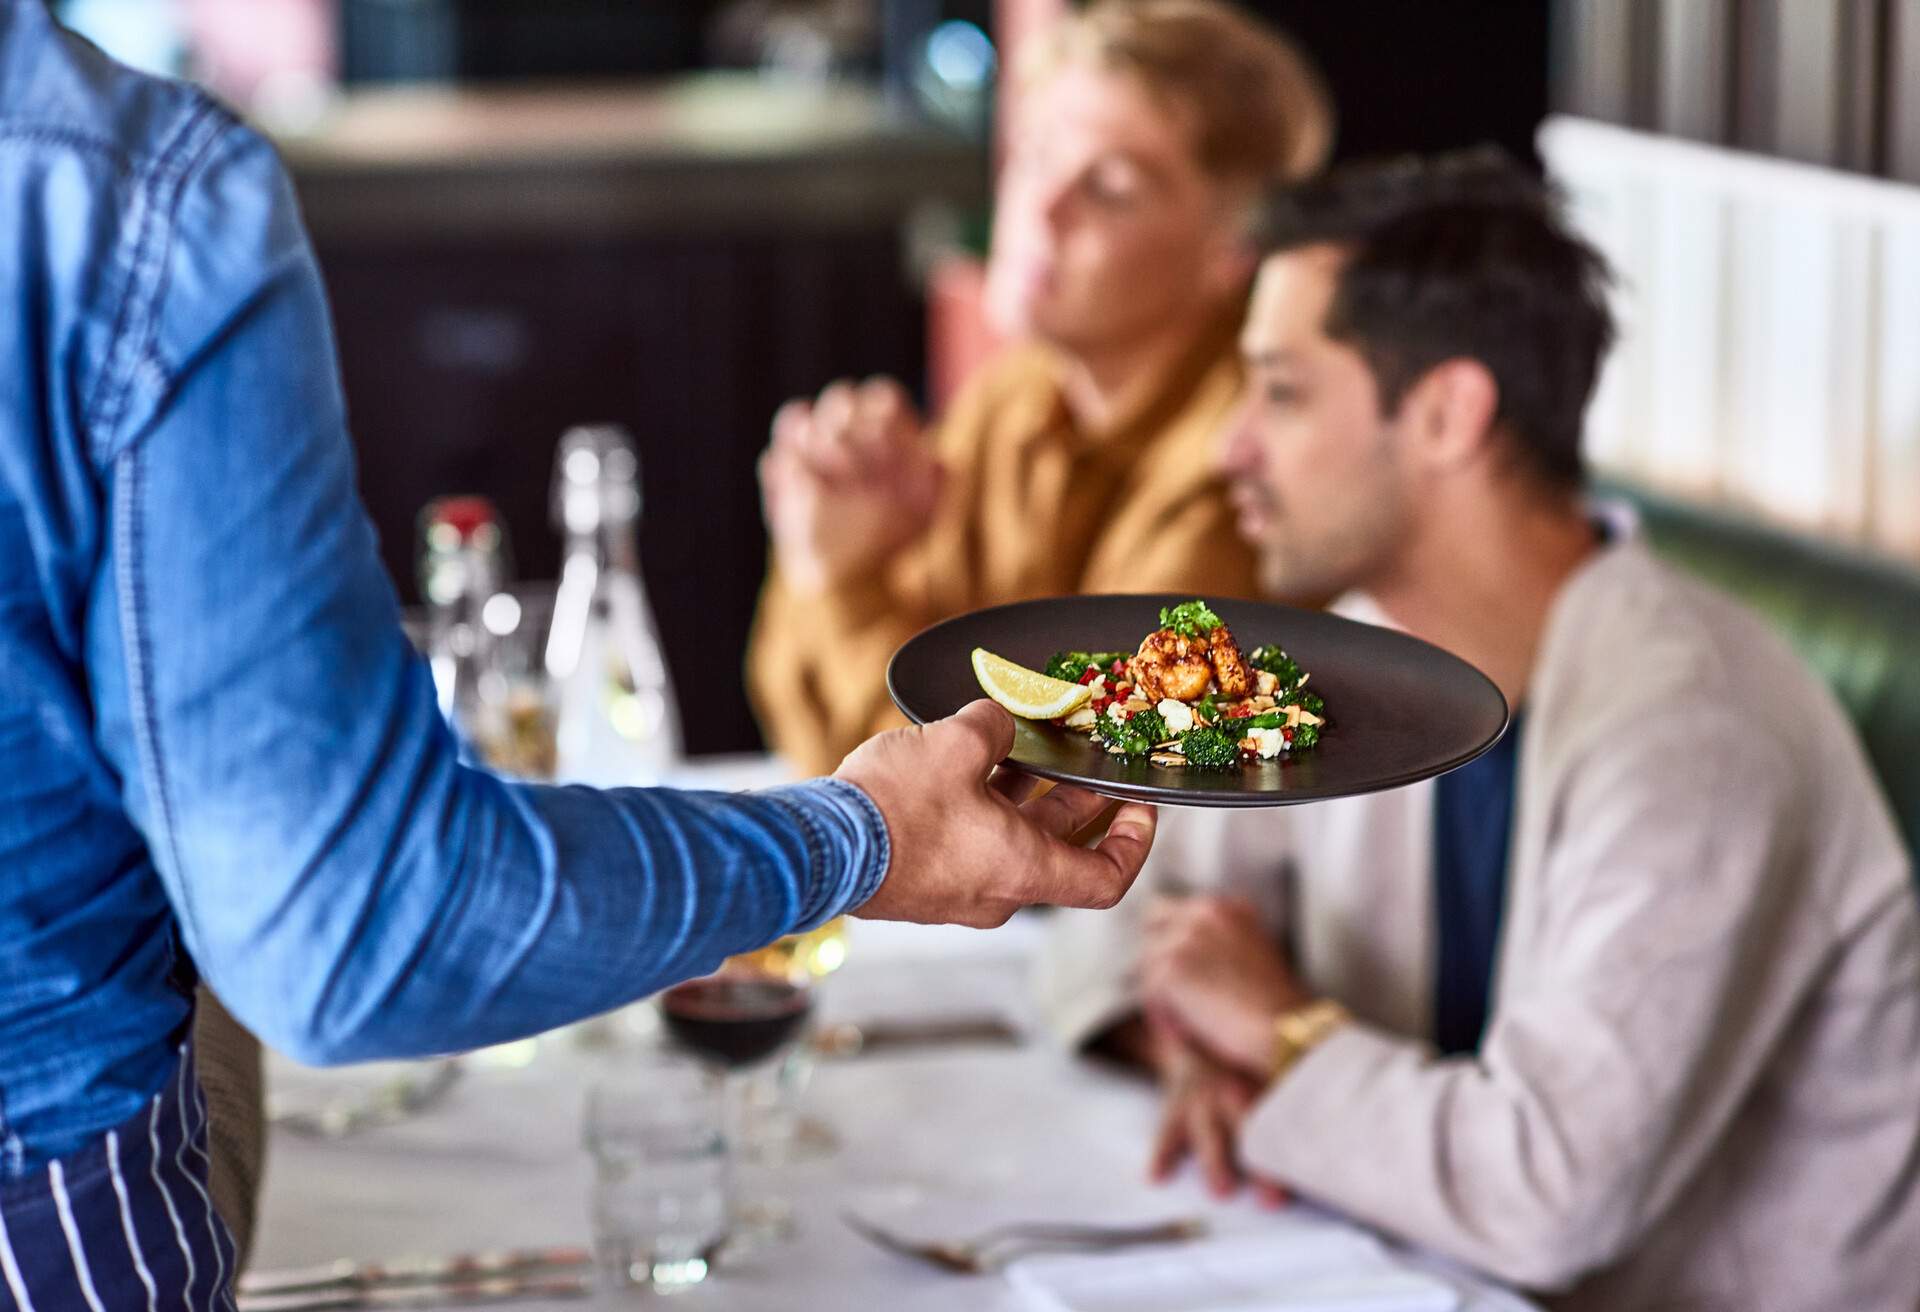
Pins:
x,y
734,1020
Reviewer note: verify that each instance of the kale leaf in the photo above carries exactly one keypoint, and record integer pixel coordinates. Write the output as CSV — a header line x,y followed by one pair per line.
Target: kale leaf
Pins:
x,y
1070,665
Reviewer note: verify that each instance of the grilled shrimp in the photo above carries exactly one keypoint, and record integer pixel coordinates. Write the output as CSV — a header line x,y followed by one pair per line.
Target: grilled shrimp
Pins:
x,y
1170,664
1229,666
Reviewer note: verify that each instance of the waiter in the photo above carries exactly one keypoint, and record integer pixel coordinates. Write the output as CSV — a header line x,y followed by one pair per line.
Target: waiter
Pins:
x,y
218,753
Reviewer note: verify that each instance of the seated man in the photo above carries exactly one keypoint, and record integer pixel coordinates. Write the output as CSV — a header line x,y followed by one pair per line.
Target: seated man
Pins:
x,y
1626,1011
1079,459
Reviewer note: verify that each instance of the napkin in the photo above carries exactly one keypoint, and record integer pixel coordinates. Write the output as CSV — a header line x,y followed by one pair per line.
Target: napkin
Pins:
x,y
1305,1269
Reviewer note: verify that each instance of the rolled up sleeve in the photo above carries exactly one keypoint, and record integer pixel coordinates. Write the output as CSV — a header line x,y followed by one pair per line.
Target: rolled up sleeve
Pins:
x,y
350,888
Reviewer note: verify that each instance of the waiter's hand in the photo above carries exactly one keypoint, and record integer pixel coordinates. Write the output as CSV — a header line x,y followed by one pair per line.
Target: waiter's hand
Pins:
x,y
971,845
1210,968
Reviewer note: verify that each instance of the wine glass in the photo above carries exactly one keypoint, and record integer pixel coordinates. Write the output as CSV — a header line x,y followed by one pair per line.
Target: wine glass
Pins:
x,y
742,1019
775,1124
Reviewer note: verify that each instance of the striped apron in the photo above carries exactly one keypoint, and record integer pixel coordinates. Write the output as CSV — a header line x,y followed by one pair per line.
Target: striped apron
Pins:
x,y
125,1223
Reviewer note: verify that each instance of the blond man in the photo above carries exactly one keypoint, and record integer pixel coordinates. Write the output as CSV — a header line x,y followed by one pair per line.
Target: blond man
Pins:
x,y
1078,460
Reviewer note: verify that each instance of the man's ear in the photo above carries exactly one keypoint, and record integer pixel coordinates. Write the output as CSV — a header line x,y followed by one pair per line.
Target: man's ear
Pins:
x,y
1449,414
1232,256
1230,265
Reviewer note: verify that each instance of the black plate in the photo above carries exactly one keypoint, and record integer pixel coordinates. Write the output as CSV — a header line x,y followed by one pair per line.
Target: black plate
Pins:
x,y
1399,710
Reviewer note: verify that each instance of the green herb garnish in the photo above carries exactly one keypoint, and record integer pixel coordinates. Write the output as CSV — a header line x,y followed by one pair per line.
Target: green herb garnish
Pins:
x,y
1191,619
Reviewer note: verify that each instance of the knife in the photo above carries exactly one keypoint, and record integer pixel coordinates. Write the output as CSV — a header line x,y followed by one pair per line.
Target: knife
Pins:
x,y
436,1294
348,1276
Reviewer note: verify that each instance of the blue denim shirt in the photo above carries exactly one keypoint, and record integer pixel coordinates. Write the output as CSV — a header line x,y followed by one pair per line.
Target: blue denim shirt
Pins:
x,y
213,734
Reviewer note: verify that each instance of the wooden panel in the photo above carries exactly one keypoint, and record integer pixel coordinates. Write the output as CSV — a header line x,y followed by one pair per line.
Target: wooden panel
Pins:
x,y
1770,319
1812,43
1695,69
1685,296
1895,480
1600,59
1902,101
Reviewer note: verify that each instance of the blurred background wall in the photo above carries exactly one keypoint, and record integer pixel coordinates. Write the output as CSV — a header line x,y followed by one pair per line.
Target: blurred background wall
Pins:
x,y
1753,187
1832,82
535,213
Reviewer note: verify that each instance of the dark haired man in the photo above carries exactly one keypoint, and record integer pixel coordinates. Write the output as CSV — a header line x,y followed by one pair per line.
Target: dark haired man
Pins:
x,y
1627,1011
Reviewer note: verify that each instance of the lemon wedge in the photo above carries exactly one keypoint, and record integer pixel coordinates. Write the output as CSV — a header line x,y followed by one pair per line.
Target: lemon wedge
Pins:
x,y
1029,694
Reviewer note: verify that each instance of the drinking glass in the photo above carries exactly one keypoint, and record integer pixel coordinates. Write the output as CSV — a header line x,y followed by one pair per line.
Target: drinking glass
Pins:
x,y
661,1183
739,1020
514,714
774,1127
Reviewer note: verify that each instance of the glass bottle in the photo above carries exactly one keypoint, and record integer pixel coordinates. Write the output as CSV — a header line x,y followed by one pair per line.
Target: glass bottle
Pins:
x,y
463,564
618,725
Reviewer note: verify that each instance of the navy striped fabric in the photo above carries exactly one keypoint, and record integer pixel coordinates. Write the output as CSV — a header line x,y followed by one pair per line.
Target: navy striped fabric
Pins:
x,y
126,1223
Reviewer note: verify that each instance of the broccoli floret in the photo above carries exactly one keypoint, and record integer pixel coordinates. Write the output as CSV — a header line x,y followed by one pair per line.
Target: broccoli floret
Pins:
x,y
1135,736
1277,663
1190,618
1312,703
1070,665
1305,735
1210,748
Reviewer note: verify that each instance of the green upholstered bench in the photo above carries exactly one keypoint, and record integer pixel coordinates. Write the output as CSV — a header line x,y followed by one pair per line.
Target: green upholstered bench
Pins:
x,y
1855,619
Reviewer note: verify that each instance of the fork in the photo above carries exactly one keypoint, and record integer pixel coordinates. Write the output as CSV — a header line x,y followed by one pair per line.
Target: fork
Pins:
x,y
994,1248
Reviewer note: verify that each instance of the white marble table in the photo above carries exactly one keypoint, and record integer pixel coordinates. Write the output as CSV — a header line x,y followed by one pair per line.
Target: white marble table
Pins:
x,y
995,1131
498,1162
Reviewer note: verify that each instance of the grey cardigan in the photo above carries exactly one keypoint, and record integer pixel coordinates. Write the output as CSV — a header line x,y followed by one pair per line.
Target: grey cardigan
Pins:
x,y
1700,1083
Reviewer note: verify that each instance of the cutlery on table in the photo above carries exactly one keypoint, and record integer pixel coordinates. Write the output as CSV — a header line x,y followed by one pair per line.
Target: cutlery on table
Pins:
x,y
421,1282
398,1099
994,1248
849,1040
474,1293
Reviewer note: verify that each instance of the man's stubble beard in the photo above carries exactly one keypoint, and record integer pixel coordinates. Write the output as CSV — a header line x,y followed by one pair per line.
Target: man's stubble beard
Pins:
x,y
1354,550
